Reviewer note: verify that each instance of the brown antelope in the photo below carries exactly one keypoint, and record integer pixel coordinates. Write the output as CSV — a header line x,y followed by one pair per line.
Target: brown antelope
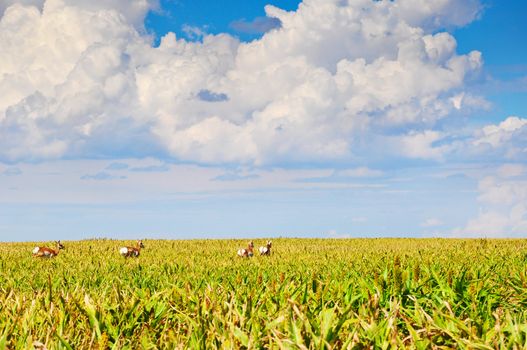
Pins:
x,y
247,252
267,249
132,251
39,345
45,252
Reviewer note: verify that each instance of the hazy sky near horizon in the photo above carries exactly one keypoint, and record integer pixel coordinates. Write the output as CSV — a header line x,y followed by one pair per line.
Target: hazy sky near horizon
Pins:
x,y
206,119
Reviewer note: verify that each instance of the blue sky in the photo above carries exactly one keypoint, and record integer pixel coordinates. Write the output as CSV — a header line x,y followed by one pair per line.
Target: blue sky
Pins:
x,y
198,119
211,16
498,35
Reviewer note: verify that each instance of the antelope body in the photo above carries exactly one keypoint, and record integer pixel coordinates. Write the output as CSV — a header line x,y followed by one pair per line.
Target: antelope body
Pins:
x,y
246,252
45,252
131,251
267,249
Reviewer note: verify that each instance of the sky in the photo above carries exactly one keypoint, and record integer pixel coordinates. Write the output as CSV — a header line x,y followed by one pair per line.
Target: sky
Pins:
x,y
179,119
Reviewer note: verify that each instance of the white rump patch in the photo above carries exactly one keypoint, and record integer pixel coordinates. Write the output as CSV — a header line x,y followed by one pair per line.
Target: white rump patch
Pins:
x,y
123,251
35,250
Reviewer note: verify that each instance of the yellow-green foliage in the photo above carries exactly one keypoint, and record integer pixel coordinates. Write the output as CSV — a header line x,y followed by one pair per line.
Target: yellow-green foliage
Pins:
x,y
310,293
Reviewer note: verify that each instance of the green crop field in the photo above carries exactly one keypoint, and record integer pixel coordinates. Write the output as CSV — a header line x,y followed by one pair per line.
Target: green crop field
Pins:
x,y
309,294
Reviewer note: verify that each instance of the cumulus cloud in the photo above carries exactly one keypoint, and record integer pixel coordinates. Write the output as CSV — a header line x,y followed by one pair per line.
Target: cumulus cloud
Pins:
x,y
508,138
80,79
503,199
133,10
421,145
438,14
502,142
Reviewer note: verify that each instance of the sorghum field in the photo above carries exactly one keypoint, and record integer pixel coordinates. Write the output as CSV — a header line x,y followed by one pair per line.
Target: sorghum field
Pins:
x,y
309,294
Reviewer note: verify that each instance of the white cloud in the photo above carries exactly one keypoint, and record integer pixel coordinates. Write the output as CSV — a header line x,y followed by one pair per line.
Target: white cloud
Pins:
x,y
496,135
421,145
511,170
432,222
507,137
194,32
502,142
438,14
80,80
133,10
148,180
335,235
503,198
358,172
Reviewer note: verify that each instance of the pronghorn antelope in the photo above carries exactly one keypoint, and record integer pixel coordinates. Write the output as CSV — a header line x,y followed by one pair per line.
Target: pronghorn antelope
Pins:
x,y
39,345
45,252
247,252
267,249
131,251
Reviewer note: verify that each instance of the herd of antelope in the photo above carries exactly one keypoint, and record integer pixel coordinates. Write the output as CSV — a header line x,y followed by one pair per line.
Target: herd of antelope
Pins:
x,y
249,251
45,252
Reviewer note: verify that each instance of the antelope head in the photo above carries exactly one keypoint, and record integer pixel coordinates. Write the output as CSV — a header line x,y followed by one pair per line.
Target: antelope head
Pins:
x,y
59,245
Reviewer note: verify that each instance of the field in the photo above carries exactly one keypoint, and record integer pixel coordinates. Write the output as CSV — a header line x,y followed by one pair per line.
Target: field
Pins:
x,y
309,294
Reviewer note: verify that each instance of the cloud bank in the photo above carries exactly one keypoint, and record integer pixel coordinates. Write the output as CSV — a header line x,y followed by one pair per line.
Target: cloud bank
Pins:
x,y
337,81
